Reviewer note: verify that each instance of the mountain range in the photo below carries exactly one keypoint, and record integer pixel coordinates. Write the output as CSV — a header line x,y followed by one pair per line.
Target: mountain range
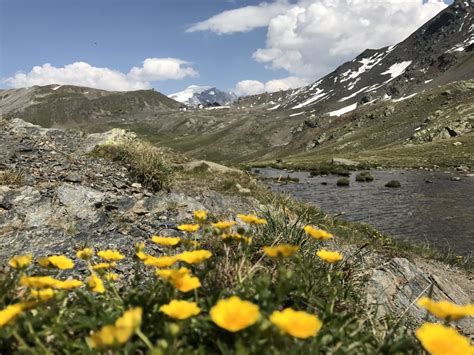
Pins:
x,y
411,99
204,96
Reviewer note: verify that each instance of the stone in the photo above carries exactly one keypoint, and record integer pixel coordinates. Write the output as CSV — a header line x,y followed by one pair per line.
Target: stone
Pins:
x,y
395,286
345,162
80,201
73,177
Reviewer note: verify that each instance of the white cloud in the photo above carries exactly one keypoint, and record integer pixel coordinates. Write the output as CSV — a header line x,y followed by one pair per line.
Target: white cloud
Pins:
x,y
84,74
254,87
243,19
155,69
311,37
249,87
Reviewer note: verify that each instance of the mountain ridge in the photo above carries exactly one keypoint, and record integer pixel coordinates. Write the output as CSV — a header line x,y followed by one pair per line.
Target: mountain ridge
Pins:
x,y
437,53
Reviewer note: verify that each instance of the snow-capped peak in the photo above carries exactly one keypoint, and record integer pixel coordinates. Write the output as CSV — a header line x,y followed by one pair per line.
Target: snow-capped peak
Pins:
x,y
206,96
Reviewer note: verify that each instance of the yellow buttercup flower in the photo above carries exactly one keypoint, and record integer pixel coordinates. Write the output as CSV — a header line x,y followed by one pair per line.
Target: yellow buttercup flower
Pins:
x,y
166,241
251,219
318,234
101,266
110,276
446,309
181,279
438,339
237,237
111,255
59,261
20,261
188,227
200,216
96,284
44,294
223,225
194,257
38,281
141,256
283,250
120,332
68,284
298,324
85,254
161,261
329,256
234,314
180,309
12,311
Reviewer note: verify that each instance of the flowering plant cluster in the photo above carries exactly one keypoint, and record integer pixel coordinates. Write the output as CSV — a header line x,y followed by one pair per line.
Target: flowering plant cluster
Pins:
x,y
246,286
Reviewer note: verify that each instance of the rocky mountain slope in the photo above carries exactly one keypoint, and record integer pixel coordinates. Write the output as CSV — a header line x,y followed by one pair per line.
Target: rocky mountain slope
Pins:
x,y
67,105
439,52
68,198
205,96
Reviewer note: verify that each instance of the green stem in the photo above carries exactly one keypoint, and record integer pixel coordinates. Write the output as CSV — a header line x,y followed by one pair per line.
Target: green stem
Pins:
x,y
144,338
37,339
20,340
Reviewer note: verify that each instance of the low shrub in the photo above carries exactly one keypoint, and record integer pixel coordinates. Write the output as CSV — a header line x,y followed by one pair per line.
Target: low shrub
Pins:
x,y
343,182
364,177
393,184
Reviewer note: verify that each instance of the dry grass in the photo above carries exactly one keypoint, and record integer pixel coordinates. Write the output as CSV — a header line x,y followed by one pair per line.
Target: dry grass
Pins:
x,y
11,177
146,162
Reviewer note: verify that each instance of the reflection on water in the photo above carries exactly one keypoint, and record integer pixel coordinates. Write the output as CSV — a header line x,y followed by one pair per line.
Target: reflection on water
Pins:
x,y
440,214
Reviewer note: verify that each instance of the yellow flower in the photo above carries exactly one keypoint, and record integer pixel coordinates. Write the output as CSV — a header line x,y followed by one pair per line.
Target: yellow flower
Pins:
x,y
85,254
251,219
181,279
188,227
141,255
68,284
296,323
166,241
223,225
180,309
8,314
234,314
96,284
20,261
110,276
111,255
330,256
446,309
59,261
237,237
283,250
44,294
194,257
120,332
438,339
317,233
101,266
162,261
200,216
38,281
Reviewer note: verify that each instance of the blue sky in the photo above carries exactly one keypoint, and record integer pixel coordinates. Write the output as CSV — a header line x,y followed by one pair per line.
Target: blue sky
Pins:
x,y
121,34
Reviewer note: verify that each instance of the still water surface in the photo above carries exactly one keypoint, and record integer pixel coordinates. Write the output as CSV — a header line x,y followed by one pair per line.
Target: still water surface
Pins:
x,y
440,214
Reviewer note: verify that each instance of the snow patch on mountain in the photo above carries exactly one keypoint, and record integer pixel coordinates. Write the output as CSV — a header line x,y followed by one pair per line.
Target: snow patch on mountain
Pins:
x,y
205,96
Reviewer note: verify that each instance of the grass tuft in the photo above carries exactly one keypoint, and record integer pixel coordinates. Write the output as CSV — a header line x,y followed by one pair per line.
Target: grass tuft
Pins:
x,y
146,162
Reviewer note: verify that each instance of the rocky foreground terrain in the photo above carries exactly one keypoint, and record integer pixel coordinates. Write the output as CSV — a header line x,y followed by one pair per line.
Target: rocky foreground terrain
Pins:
x,y
56,197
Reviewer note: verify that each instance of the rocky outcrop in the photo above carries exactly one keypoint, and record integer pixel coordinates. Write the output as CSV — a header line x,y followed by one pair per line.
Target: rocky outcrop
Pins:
x,y
396,285
70,198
